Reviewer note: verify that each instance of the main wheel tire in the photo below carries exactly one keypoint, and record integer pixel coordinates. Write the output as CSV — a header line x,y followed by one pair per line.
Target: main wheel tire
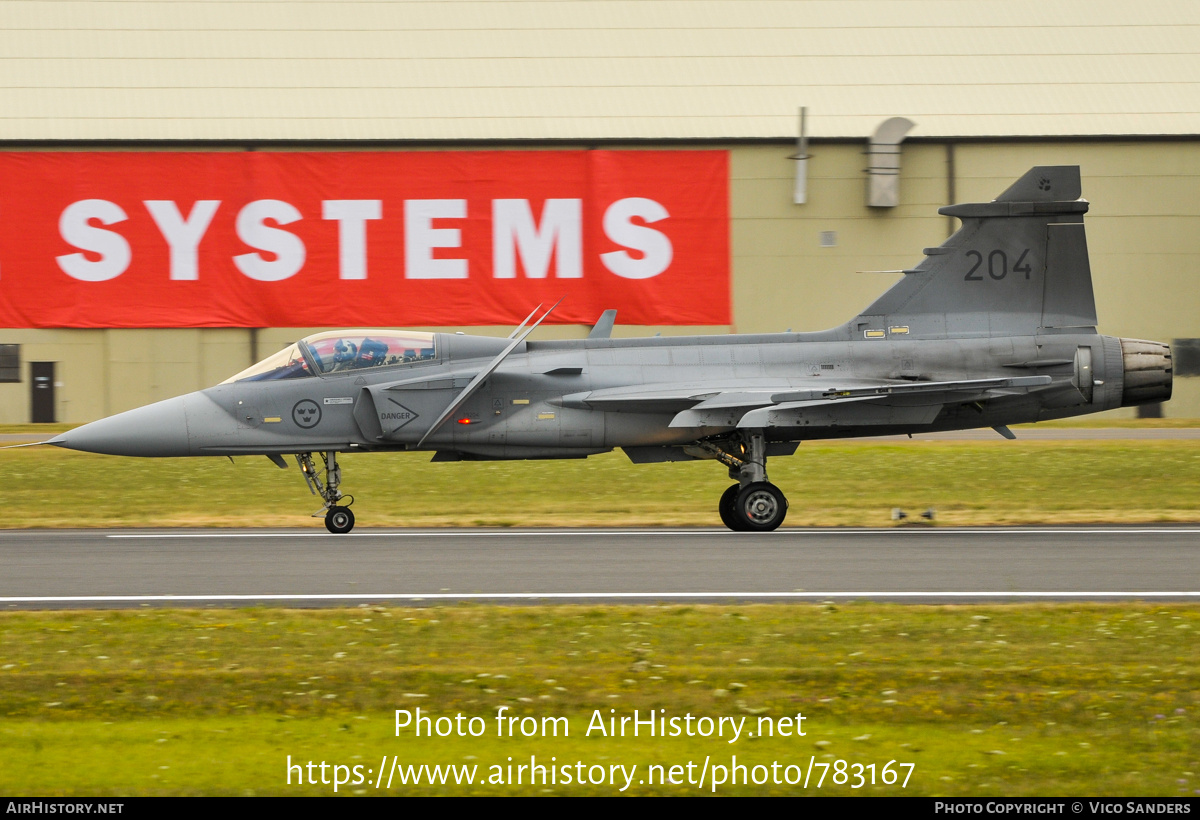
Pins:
x,y
727,507
760,507
339,520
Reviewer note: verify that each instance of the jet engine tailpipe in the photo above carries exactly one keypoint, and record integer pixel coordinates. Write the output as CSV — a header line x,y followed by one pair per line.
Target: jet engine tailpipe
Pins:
x,y
1148,370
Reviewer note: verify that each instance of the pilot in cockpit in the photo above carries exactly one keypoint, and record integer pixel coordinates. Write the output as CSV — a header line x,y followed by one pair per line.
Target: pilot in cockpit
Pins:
x,y
344,354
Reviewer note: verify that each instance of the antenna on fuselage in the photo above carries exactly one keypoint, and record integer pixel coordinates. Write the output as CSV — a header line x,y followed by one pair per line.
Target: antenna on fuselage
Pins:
x,y
477,382
517,329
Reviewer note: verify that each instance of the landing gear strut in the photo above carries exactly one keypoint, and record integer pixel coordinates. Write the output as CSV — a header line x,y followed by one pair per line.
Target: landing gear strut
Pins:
x,y
753,504
338,517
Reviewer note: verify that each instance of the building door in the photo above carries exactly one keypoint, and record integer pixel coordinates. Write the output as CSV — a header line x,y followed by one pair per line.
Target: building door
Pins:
x,y
42,385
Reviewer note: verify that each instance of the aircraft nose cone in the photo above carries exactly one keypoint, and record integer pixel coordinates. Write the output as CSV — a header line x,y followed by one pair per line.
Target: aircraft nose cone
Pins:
x,y
158,429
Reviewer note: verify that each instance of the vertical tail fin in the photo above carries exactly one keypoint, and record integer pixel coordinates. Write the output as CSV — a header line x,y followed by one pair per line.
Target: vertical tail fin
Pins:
x,y
1017,266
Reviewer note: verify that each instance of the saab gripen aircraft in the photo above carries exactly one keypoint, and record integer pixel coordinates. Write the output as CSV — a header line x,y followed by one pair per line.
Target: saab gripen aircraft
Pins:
x,y
996,326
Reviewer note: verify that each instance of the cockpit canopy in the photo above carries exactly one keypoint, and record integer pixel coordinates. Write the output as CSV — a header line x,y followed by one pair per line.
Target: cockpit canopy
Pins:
x,y
336,351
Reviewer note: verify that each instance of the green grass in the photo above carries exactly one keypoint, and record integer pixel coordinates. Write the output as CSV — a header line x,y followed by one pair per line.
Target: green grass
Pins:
x,y
35,431
837,483
1018,700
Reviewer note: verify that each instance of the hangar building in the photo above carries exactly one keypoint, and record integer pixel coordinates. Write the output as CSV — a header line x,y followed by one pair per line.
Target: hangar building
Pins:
x,y
815,229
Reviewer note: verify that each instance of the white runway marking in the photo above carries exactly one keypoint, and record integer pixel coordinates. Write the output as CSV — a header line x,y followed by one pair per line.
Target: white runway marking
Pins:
x,y
676,533
447,596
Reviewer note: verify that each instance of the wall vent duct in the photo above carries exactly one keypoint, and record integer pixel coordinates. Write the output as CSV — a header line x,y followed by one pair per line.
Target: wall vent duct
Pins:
x,y
800,189
883,162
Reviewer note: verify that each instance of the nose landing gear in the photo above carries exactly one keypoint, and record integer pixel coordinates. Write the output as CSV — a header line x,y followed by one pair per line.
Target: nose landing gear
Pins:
x,y
338,517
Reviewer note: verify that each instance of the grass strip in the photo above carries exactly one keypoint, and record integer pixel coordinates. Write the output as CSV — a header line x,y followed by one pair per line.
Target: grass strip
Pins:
x,y
1097,699
828,484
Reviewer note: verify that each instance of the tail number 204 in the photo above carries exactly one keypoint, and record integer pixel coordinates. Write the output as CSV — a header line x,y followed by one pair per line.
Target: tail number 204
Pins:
x,y
997,265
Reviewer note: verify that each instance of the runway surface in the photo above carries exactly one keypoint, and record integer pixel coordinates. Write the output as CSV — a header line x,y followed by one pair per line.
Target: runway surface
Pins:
x,y
107,568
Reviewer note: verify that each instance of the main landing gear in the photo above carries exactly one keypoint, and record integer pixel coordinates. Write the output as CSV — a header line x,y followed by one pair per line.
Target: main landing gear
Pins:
x,y
338,517
753,504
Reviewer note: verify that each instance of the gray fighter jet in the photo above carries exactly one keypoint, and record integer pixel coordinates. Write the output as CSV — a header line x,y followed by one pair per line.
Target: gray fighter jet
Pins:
x,y
996,326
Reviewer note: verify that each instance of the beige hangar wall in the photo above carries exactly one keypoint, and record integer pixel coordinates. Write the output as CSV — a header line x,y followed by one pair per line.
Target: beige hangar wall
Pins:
x,y
1143,233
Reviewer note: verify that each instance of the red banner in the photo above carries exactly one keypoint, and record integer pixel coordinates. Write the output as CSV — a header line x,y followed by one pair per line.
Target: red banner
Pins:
x,y
253,239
